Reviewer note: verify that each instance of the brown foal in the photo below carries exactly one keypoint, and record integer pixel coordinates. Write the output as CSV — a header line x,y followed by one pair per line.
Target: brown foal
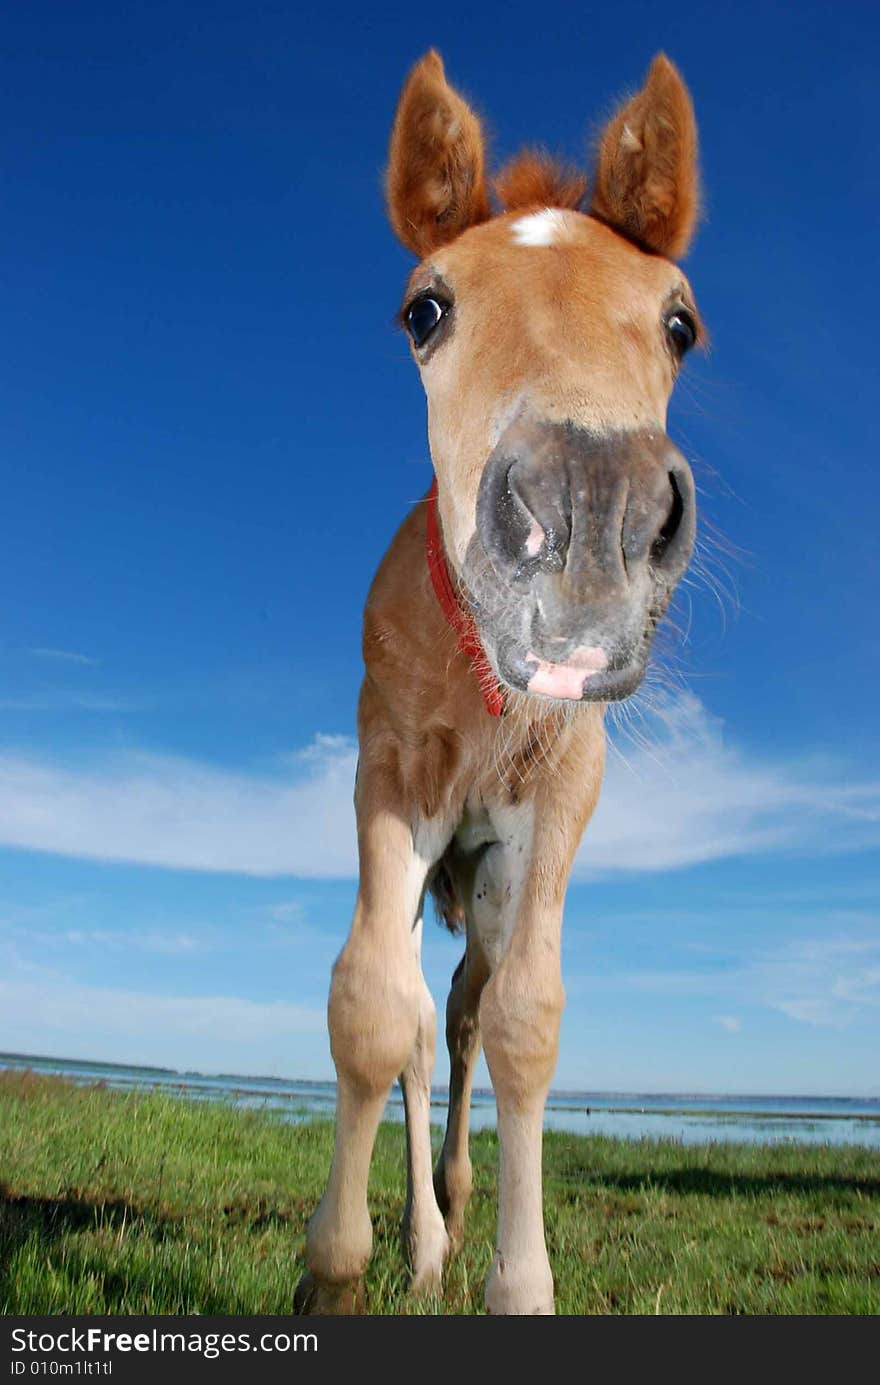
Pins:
x,y
549,334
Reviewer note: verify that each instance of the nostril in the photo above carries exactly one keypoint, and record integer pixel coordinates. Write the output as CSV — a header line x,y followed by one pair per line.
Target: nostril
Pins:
x,y
532,518
671,524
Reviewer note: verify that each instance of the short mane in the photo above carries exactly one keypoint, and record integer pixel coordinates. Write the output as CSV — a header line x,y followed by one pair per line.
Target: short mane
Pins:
x,y
535,179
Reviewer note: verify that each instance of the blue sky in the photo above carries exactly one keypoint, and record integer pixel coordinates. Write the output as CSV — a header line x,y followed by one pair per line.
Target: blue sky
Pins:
x,y
210,430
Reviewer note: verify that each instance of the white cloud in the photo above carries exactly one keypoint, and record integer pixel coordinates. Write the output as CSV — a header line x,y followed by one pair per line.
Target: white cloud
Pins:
x,y
107,939
44,1011
67,701
75,1008
287,911
729,1022
65,656
820,981
686,797
825,982
165,811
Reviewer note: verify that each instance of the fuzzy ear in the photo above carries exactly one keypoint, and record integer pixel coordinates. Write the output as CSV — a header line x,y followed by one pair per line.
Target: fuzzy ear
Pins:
x,y
435,182
647,184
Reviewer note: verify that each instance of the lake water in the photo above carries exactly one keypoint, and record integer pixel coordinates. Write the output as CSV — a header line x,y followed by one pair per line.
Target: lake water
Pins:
x,y
691,1119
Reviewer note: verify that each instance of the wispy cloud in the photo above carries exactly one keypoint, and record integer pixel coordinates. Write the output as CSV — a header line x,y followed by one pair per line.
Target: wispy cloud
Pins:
x,y
686,797
77,1009
729,1022
44,1010
819,981
827,982
167,811
66,656
65,700
287,911
113,940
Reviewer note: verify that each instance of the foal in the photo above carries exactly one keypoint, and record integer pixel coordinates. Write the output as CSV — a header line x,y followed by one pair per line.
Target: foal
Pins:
x,y
510,608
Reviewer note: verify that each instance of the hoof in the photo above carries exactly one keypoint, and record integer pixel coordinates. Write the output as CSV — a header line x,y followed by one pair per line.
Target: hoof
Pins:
x,y
316,1299
522,1291
427,1284
426,1251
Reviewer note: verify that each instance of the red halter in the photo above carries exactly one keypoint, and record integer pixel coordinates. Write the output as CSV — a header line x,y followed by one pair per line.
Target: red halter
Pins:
x,y
461,621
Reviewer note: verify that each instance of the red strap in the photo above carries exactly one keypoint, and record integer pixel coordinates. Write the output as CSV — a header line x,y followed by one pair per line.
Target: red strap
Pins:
x,y
461,621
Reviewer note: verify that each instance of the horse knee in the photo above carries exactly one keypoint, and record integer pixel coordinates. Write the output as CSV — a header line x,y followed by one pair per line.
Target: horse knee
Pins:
x,y
519,1018
373,1014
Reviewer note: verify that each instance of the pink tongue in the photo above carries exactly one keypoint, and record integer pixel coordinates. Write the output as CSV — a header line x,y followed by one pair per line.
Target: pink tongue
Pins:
x,y
566,680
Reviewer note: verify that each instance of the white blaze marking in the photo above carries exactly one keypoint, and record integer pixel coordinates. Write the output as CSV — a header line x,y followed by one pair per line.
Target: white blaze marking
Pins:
x,y
539,228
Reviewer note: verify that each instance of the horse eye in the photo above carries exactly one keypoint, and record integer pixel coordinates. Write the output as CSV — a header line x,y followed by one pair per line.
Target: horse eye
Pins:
x,y
422,317
682,331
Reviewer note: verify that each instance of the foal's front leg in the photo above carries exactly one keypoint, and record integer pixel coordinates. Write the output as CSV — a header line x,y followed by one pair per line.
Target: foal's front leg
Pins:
x,y
520,1013
373,1013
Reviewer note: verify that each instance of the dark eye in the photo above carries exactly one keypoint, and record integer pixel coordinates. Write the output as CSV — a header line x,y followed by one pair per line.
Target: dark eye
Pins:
x,y
682,330
422,317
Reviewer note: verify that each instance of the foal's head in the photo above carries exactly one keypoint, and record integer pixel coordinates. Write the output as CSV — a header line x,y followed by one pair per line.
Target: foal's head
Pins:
x,y
548,340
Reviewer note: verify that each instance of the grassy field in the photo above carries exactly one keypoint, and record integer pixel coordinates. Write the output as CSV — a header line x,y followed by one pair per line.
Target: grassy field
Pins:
x,y
116,1203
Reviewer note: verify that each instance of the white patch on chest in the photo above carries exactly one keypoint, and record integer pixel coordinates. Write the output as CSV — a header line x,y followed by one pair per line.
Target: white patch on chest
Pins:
x,y
540,228
501,837
431,836
430,839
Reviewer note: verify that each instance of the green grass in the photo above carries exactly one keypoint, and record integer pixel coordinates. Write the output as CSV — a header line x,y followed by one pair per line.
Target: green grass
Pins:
x,y
114,1203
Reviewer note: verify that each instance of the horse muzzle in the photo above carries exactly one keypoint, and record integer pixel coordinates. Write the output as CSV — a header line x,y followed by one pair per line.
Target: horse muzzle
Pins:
x,y
580,540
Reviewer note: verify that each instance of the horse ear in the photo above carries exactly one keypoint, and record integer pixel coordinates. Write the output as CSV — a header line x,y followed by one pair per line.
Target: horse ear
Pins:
x,y
435,182
647,183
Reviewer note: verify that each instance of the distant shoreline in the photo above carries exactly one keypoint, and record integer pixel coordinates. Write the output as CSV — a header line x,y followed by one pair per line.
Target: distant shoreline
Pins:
x,y
684,1118
559,1099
